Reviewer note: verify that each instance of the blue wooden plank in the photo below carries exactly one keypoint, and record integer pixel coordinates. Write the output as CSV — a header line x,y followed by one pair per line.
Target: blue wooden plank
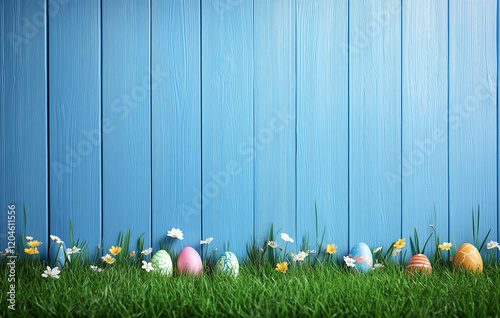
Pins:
x,y
472,117
75,120
322,121
275,80
227,108
374,121
126,107
424,171
176,126
23,120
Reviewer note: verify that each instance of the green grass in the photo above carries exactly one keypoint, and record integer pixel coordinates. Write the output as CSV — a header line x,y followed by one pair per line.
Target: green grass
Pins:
x,y
326,290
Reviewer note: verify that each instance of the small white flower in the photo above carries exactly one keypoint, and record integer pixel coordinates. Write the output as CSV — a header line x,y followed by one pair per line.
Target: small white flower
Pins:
x,y
377,249
52,273
492,244
207,241
56,239
95,268
176,233
396,251
311,252
300,256
147,251
148,266
7,251
350,262
273,244
73,250
286,238
378,265
29,238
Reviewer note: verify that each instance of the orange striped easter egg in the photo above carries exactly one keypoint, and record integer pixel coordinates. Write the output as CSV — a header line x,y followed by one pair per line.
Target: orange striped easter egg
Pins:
x,y
468,257
419,262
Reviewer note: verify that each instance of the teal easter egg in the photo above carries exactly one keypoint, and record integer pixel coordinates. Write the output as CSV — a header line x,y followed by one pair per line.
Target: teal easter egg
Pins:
x,y
363,258
57,254
162,263
228,264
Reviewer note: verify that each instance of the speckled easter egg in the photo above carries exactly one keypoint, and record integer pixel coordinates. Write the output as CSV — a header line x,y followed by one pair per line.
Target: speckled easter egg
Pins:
x,y
228,264
363,256
189,261
419,263
162,263
57,254
468,257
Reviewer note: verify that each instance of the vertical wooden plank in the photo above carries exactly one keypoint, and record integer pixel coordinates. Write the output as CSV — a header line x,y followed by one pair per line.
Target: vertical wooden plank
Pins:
x,y
176,126
472,117
322,121
23,119
126,108
227,166
375,121
275,99
75,120
425,112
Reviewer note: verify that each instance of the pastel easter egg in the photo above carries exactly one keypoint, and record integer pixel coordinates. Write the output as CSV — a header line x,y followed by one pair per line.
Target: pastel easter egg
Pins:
x,y
468,257
189,261
162,263
57,254
419,263
363,256
228,264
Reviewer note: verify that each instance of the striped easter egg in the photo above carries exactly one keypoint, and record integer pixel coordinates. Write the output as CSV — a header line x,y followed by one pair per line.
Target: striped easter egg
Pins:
x,y
419,262
228,264
468,257
162,263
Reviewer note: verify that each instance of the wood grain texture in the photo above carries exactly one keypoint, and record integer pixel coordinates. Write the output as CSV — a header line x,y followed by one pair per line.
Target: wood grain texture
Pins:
x,y
23,119
176,107
227,129
126,107
322,121
75,120
425,111
275,102
473,117
374,121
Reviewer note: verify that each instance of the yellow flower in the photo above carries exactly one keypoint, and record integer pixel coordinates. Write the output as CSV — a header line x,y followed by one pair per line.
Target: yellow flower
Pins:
x,y
331,249
108,259
115,250
34,243
400,243
132,254
282,267
291,254
31,251
445,246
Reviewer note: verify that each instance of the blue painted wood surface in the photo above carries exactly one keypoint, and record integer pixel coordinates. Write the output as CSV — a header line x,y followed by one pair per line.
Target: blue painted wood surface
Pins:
x,y
424,172
75,120
374,121
275,101
23,120
322,122
227,127
126,107
473,117
176,115
194,95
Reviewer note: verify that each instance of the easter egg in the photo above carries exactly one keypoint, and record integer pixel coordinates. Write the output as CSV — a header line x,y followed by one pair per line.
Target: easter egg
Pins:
x,y
57,254
228,264
419,262
468,257
189,261
162,263
363,256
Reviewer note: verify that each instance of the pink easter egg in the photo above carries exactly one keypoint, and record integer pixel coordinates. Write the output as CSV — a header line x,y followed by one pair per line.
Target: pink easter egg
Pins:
x,y
189,261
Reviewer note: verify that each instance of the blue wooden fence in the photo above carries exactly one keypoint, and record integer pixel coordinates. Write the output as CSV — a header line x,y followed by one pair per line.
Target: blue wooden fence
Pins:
x,y
223,117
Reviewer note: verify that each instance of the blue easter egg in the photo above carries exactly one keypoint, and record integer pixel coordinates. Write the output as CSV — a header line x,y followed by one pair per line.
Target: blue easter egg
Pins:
x,y
228,264
57,250
363,256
